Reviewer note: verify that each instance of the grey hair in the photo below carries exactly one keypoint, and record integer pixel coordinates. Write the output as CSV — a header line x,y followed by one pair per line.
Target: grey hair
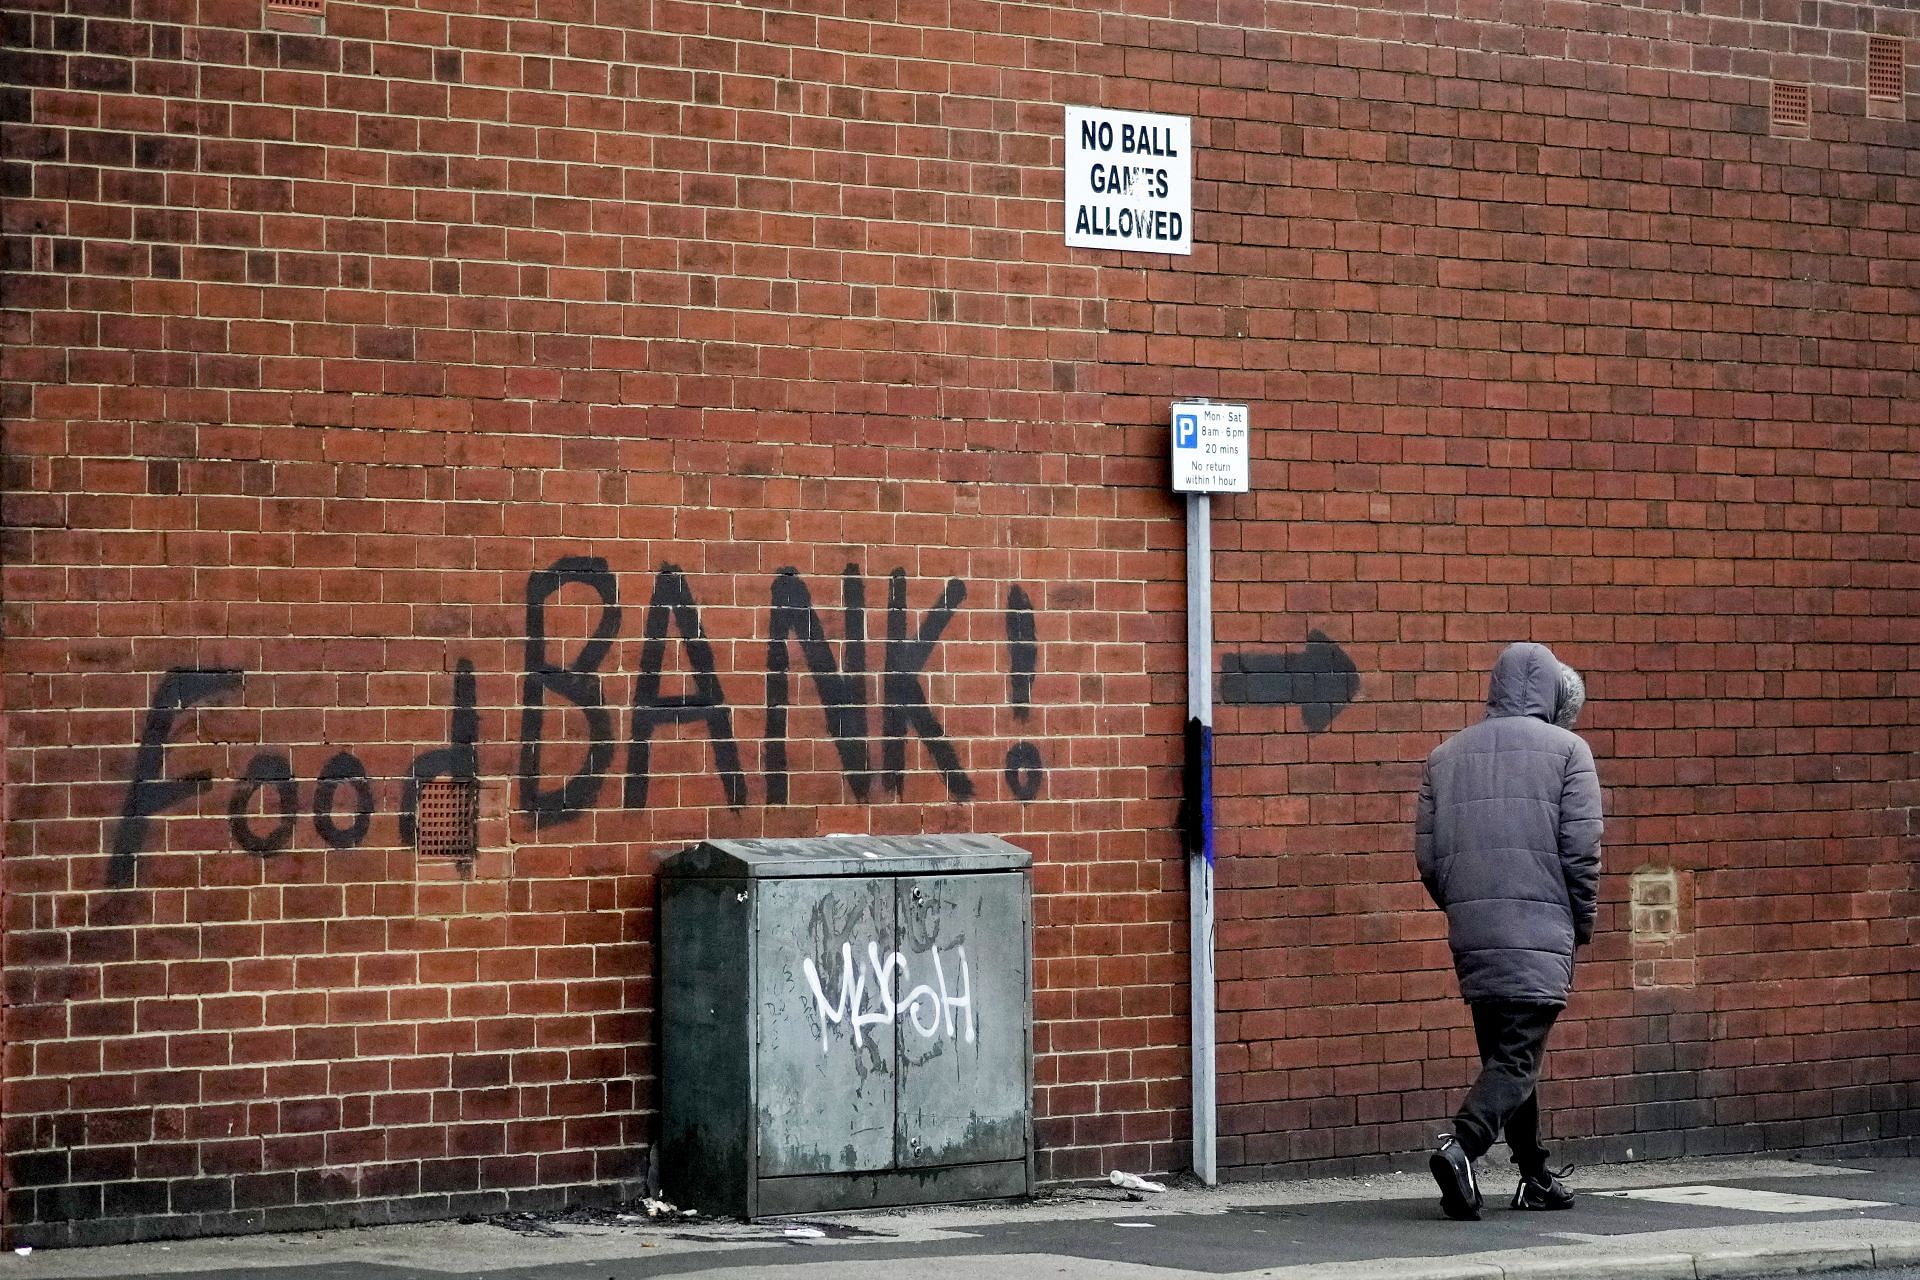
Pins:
x,y
1572,697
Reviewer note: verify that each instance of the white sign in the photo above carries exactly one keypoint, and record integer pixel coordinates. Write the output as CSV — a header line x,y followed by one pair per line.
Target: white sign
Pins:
x,y
1210,448
1129,181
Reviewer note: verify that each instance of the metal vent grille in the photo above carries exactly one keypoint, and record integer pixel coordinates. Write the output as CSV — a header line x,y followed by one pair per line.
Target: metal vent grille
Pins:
x,y
1886,68
314,7
1792,108
448,825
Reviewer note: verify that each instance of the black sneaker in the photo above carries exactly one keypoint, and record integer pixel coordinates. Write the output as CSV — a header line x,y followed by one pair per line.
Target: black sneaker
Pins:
x,y
1542,1190
1459,1191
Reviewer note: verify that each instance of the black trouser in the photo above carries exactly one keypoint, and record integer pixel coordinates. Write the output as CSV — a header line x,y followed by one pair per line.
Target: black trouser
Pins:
x,y
1513,1042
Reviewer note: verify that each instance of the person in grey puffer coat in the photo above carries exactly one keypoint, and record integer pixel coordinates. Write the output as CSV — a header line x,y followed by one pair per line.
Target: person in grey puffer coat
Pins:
x,y
1507,836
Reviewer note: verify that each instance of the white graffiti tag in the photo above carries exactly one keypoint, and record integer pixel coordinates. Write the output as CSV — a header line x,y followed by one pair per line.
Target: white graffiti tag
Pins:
x,y
929,1008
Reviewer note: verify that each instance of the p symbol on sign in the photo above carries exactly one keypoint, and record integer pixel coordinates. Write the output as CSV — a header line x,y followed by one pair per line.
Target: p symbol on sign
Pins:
x,y
1186,430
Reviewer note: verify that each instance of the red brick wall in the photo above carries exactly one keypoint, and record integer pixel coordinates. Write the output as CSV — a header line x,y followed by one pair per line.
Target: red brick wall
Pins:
x,y
321,348
1567,348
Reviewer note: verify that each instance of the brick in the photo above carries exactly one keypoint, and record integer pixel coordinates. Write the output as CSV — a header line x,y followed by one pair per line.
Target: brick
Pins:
x,y
323,344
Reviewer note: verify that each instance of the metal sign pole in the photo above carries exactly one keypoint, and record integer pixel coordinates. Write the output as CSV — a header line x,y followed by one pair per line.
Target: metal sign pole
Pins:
x,y
1199,840
1211,453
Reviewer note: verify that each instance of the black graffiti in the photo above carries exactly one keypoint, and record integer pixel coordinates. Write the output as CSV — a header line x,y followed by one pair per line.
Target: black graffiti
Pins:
x,y
578,683
458,759
149,791
1025,771
1320,679
706,705
1023,654
264,770
342,767
906,705
842,690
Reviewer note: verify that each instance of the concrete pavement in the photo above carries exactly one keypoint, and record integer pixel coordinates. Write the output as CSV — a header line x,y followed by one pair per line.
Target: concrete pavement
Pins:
x,y
1677,1220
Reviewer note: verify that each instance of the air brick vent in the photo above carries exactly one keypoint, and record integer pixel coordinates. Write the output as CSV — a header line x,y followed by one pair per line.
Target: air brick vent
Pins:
x,y
448,825
1886,75
1792,109
303,17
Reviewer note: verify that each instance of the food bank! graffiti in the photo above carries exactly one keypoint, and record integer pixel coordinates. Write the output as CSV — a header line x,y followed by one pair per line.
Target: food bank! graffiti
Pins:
x,y
845,689
936,1002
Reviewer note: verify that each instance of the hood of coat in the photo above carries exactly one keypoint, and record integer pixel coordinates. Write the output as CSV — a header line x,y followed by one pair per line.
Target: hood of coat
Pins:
x,y
1526,682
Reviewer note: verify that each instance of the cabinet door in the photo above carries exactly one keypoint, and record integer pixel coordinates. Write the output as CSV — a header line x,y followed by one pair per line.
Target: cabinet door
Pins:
x,y
706,1048
826,1054
962,1019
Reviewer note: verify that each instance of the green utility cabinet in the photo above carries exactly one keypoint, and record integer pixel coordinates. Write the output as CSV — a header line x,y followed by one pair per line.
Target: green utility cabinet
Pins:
x,y
845,1022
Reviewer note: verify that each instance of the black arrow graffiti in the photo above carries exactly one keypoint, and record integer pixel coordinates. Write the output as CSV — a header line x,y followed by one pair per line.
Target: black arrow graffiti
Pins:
x,y
1319,679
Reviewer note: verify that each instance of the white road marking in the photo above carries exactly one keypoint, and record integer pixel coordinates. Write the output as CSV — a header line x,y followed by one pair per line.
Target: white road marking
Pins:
x,y
1744,1198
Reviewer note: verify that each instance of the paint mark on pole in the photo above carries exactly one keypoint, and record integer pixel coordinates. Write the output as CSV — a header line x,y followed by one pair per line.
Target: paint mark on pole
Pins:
x,y
1196,804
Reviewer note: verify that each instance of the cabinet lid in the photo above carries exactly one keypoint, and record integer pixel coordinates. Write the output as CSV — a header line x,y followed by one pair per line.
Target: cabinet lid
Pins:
x,y
848,855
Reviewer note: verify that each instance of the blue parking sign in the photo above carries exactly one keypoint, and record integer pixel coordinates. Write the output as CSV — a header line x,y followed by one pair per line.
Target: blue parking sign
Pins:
x,y
1186,430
